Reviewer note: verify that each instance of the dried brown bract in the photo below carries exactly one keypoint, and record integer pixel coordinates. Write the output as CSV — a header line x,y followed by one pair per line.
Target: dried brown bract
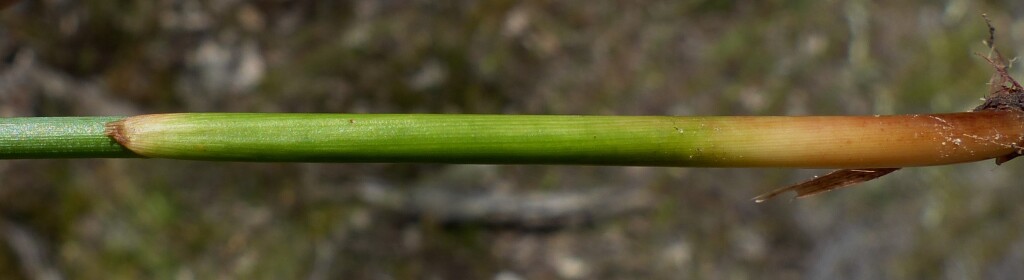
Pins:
x,y
1005,93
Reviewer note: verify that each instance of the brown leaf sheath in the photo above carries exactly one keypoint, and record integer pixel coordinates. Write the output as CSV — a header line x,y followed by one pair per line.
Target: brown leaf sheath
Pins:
x,y
836,179
1006,94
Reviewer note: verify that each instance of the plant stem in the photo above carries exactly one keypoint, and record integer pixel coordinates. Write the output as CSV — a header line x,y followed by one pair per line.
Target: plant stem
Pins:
x,y
60,137
808,142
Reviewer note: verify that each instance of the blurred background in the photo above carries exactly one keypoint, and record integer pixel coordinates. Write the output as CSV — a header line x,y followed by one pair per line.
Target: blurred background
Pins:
x,y
170,219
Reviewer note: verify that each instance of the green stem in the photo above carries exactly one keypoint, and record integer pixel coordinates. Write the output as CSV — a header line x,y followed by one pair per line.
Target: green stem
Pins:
x,y
60,137
486,139
810,142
